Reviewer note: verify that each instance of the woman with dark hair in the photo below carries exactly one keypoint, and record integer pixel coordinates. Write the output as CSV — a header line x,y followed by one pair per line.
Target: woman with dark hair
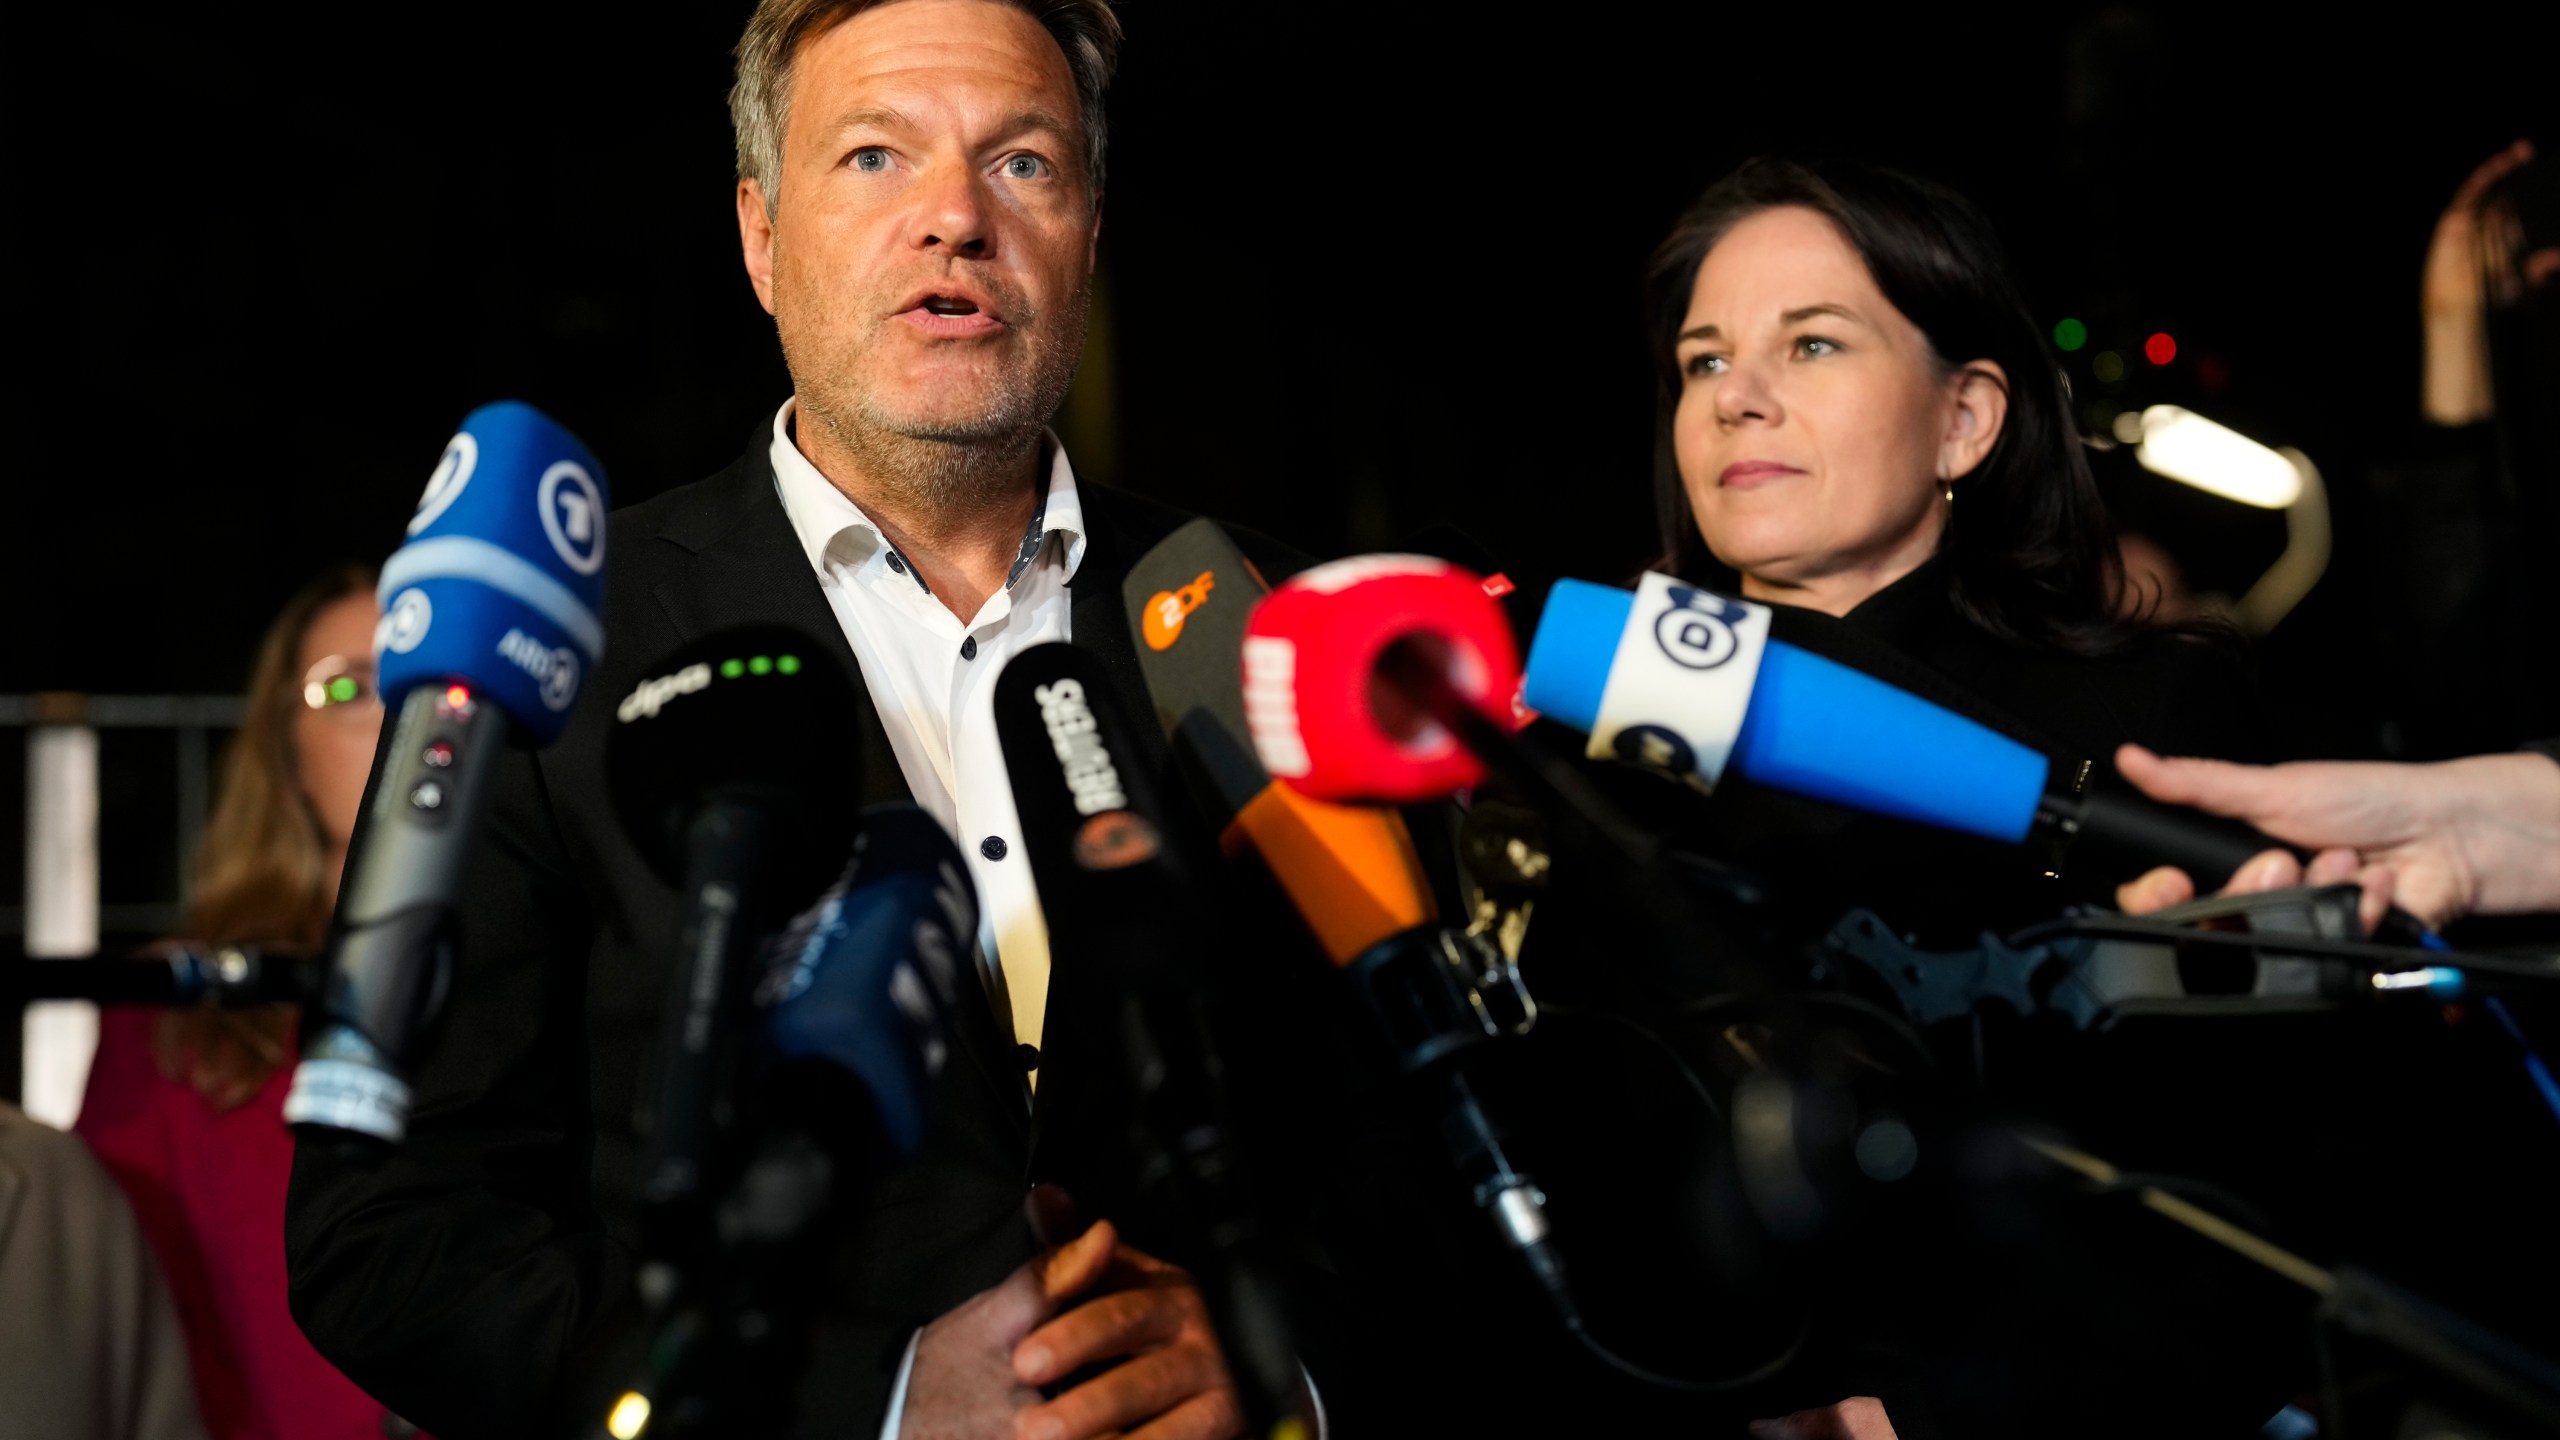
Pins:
x,y
1862,424
186,1106
1862,428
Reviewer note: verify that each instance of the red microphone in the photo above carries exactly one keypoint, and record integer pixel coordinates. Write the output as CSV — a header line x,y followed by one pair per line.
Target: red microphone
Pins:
x,y
1354,672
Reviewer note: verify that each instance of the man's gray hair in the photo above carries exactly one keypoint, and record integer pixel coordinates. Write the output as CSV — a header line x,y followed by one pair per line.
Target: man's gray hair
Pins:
x,y
760,102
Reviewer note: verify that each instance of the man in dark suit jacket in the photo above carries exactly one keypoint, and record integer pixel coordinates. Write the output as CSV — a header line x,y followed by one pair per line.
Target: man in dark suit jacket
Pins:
x,y
920,219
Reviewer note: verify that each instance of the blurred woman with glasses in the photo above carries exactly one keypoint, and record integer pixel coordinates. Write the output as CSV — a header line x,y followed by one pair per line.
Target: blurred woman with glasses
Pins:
x,y
186,1106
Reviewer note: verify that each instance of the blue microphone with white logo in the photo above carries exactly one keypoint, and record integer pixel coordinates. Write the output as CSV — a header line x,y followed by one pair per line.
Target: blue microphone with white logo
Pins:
x,y
489,624
1691,683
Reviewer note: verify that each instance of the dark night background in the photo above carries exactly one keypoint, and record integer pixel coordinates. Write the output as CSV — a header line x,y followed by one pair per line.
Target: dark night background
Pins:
x,y
1367,268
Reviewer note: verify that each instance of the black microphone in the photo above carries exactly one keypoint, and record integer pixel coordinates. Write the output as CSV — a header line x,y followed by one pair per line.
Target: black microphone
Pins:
x,y
488,626
850,1031
733,769
217,975
1131,941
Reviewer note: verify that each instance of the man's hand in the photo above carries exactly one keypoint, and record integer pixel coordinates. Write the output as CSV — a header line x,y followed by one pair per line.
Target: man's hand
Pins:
x,y
963,1385
1860,1417
2443,840
1170,1382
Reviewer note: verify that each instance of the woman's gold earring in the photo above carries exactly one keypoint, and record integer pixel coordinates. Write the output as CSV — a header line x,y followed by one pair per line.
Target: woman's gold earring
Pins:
x,y
1947,491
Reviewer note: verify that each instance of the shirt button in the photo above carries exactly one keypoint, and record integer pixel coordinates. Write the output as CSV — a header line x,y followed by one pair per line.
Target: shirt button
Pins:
x,y
969,647
1028,1055
992,847
897,564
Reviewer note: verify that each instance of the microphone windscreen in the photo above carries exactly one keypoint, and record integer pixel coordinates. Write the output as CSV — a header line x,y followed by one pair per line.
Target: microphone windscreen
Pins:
x,y
866,979
498,583
759,713
1818,728
1692,683
1326,718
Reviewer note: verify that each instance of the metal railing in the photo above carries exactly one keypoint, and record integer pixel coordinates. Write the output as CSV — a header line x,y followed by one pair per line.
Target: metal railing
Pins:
x,y
63,913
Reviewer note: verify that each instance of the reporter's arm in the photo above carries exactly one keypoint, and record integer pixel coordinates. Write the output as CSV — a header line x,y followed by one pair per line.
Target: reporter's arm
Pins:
x,y
2469,836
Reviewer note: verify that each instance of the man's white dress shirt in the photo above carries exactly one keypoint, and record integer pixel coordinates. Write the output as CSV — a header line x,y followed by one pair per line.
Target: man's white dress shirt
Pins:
x,y
933,679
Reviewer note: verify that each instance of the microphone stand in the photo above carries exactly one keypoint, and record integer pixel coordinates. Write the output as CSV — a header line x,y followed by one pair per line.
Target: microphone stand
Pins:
x,y
1437,994
2474,1359
717,1334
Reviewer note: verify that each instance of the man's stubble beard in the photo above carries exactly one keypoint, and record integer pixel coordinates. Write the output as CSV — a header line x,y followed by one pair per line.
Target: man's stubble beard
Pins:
x,y
957,458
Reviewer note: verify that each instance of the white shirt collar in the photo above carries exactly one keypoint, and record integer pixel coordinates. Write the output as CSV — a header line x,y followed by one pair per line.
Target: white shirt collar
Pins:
x,y
831,526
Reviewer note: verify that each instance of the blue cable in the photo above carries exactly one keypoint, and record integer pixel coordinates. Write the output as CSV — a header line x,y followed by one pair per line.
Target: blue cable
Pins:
x,y
2533,1063
2534,1067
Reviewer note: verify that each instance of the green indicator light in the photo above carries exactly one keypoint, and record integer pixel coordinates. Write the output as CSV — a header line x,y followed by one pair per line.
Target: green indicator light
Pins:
x,y
788,664
343,689
732,669
761,665
2070,334
2109,367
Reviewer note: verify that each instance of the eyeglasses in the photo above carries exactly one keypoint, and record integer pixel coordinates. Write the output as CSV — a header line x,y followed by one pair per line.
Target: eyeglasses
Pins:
x,y
342,685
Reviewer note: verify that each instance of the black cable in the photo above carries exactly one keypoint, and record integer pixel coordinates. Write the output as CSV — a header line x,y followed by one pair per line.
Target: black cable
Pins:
x,y
1557,1287
1688,1073
2387,957
1627,1367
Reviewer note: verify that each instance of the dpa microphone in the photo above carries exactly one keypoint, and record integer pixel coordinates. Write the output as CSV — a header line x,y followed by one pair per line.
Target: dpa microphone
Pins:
x,y
489,624
733,769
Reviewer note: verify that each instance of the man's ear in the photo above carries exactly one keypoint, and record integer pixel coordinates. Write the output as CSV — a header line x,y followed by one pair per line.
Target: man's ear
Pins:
x,y
1093,239
755,240
1979,406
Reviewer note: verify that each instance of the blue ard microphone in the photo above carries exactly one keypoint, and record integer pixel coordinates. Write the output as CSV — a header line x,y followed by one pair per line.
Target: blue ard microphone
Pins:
x,y
488,628
865,979
1690,683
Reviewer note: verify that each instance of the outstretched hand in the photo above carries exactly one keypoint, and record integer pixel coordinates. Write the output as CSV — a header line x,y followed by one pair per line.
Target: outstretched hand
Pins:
x,y
2442,841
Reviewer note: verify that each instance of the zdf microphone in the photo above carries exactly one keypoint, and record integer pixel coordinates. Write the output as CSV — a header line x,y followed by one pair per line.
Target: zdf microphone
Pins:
x,y
489,625
1352,871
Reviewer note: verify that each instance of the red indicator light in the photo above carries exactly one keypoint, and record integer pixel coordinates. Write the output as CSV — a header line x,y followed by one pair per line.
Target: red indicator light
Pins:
x,y
457,698
2160,349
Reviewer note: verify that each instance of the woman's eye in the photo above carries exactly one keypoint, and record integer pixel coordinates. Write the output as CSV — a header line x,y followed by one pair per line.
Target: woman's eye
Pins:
x,y
871,159
1816,345
1025,167
1704,365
